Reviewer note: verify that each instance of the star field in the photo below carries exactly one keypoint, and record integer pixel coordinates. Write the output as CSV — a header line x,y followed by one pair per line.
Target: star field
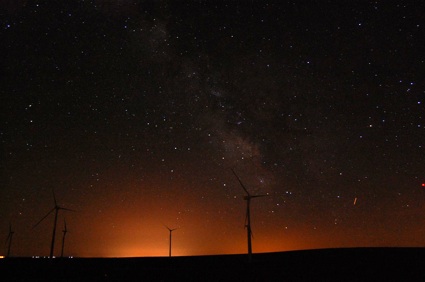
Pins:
x,y
135,112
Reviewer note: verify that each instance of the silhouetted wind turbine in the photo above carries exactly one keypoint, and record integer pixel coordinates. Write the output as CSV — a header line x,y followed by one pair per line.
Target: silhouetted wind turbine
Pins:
x,y
9,239
63,237
56,209
171,230
248,198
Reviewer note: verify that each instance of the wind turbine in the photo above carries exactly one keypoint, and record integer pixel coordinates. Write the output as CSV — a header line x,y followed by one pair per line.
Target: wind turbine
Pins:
x,y
248,198
9,239
63,237
55,209
171,230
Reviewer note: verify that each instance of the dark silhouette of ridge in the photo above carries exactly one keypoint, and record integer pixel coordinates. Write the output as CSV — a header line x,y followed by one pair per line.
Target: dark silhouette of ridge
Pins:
x,y
350,264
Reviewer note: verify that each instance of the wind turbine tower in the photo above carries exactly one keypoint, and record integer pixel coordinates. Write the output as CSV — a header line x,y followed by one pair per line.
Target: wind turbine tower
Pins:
x,y
63,237
169,249
9,239
55,209
248,198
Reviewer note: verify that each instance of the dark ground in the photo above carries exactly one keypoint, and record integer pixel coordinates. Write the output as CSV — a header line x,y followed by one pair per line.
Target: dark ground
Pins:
x,y
357,264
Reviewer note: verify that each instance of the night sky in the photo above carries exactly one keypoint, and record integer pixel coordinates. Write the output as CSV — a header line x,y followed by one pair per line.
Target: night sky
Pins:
x,y
135,113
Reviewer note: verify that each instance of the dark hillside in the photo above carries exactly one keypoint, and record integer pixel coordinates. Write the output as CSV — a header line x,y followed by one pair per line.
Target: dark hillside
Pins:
x,y
357,264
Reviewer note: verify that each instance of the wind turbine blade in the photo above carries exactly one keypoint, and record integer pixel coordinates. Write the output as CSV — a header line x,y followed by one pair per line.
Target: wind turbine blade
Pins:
x,y
258,196
10,233
54,197
65,209
64,223
240,182
167,227
44,217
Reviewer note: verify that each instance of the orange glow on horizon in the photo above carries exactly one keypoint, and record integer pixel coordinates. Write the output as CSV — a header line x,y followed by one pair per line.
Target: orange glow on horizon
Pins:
x,y
131,224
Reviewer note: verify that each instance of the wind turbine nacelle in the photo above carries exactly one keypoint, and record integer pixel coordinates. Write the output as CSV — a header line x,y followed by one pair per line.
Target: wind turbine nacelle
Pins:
x,y
246,198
